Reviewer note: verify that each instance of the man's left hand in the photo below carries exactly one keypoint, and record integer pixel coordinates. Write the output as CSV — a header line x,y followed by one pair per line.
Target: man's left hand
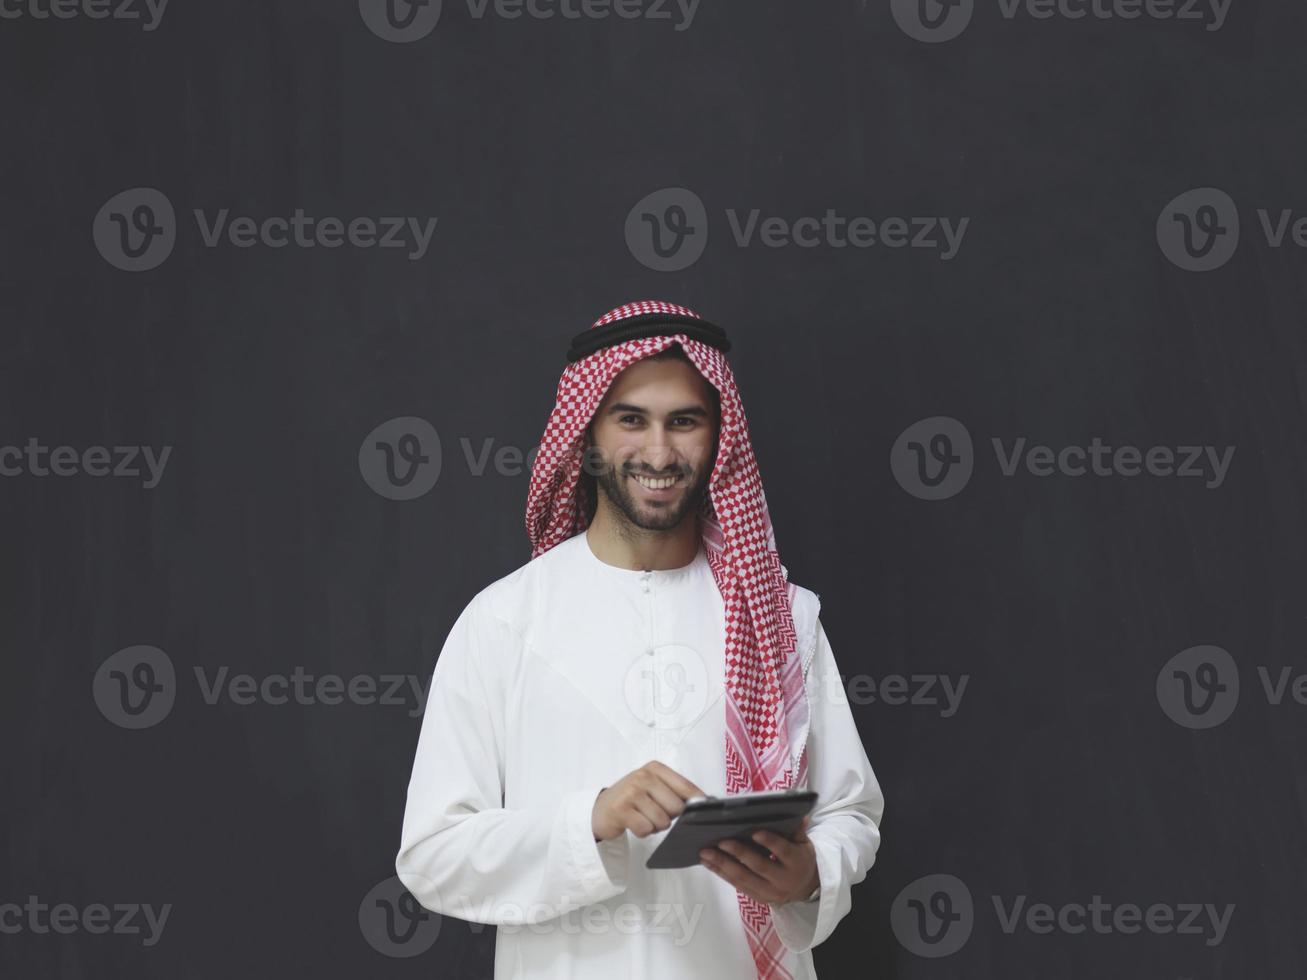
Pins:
x,y
789,875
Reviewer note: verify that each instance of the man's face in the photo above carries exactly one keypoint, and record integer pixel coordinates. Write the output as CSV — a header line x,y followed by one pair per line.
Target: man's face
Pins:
x,y
658,422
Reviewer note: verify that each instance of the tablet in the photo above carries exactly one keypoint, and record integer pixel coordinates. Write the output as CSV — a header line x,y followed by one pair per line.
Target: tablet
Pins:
x,y
709,819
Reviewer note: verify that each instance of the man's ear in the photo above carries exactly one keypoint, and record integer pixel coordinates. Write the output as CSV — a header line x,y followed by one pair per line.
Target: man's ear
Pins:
x,y
587,450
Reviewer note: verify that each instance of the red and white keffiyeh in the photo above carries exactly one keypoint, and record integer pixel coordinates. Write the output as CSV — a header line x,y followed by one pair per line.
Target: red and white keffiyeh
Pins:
x,y
766,711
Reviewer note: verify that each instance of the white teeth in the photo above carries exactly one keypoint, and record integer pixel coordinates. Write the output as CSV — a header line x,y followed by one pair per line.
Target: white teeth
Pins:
x,y
662,484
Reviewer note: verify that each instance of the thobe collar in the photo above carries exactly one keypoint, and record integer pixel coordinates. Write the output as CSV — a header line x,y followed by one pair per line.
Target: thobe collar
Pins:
x,y
659,576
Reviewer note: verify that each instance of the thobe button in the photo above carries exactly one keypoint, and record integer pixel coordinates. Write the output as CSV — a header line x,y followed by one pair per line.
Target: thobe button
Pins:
x,y
650,723
649,652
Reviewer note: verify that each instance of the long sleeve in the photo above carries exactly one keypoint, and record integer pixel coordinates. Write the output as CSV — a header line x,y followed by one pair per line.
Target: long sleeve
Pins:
x,y
845,825
461,852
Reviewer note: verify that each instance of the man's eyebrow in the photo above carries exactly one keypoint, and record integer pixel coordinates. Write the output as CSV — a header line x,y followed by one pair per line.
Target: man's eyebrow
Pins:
x,y
624,407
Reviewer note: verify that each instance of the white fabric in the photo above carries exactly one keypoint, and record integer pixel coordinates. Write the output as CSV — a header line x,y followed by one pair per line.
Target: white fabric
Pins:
x,y
544,693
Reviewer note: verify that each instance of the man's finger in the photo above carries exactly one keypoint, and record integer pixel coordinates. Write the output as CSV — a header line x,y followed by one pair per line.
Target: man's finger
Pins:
x,y
676,781
761,865
785,850
666,796
648,808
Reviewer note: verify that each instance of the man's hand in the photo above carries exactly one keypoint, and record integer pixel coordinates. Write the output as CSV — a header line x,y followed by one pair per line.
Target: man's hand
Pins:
x,y
789,875
644,801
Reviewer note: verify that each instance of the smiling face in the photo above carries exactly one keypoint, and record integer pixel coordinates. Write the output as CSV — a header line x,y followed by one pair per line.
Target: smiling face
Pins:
x,y
655,434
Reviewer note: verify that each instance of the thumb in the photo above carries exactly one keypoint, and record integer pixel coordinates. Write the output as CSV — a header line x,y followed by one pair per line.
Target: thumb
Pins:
x,y
801,835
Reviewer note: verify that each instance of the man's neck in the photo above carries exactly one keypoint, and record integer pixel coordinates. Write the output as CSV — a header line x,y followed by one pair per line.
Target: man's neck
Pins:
x,y
617,543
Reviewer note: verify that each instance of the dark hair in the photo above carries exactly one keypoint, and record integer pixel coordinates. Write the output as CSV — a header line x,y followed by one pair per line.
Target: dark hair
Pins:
x,y
672,352
675,352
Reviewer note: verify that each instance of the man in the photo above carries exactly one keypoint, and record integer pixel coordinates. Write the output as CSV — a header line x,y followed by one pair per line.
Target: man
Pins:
x,y
650,651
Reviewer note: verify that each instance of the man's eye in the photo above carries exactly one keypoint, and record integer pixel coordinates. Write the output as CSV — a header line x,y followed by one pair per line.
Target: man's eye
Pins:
x,y
636,419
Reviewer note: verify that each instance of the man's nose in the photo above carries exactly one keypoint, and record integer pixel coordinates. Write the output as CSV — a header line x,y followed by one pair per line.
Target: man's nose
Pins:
x,y
659,455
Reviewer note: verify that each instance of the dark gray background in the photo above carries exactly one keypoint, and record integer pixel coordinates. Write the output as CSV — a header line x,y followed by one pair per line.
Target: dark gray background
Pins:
x,y
263,548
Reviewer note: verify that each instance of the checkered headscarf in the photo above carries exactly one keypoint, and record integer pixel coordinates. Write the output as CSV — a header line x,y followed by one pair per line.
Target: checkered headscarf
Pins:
x,y
765,705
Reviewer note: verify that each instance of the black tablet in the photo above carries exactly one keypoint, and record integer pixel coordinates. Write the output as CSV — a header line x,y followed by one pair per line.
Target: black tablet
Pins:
x,y
709,819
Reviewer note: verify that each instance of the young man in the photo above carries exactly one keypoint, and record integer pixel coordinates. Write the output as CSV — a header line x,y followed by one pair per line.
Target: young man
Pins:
x,y
650,651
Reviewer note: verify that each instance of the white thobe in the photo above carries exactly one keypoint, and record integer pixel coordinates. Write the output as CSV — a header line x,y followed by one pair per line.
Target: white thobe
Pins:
x,y
554,682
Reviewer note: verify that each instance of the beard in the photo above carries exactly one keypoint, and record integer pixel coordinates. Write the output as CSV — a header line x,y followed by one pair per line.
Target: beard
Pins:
x,y
659,516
